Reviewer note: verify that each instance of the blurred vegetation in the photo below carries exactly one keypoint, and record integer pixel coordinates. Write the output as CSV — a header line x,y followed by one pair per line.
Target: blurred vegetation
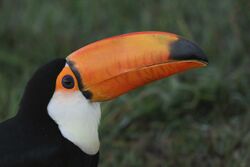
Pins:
x,y
198,118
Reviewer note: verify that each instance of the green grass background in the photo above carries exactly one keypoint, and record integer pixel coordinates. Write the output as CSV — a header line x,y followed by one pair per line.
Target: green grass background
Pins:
x,y
200,118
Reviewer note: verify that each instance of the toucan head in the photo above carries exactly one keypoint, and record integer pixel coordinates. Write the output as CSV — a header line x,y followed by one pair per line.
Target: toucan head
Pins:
x,y
111,67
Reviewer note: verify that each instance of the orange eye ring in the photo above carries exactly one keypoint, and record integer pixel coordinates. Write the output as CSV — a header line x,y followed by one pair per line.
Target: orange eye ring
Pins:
x,y
66,81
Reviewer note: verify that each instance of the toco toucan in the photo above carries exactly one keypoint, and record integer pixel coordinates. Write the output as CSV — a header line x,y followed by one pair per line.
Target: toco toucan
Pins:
x,y
59,113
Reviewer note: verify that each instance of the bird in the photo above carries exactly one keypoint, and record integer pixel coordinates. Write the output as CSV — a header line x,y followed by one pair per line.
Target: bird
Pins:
x,y
58,117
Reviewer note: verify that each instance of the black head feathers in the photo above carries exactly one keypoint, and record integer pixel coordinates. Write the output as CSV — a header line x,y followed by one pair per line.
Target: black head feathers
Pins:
x,y
40,87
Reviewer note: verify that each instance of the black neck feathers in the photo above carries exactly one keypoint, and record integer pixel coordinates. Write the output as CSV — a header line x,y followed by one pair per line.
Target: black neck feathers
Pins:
x,y
40,89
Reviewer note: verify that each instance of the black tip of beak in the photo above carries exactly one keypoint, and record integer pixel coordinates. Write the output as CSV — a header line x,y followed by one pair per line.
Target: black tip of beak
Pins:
x,y
183,49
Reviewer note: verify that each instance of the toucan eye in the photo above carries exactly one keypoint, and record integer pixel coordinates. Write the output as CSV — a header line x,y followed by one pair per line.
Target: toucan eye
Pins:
x,y
68,82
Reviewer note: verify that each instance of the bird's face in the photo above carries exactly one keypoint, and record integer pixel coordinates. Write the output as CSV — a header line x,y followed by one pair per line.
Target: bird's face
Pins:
x,y
111,67
76,116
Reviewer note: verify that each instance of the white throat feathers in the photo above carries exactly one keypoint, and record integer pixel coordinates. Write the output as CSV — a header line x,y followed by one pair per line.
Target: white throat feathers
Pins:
x,y
77,118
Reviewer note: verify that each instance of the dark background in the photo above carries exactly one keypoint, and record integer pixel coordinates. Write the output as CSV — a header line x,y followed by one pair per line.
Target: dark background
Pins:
x,y
198,118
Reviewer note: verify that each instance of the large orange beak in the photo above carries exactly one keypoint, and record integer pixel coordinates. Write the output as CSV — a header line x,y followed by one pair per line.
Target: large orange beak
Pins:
x,y
111,67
